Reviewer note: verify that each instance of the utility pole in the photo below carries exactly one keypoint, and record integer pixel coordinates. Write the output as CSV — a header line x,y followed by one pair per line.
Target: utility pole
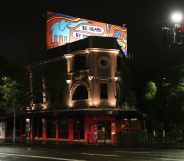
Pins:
x,y
14,125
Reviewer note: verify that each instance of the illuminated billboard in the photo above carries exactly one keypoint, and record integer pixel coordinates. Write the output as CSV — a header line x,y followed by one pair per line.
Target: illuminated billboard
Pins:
x,y
62,29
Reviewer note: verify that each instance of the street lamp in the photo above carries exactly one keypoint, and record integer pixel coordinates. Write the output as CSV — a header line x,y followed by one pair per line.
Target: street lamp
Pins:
x,y
174,30
176,17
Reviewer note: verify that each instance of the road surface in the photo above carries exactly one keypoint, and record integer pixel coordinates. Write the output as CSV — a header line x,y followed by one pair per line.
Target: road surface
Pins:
x,y
77,153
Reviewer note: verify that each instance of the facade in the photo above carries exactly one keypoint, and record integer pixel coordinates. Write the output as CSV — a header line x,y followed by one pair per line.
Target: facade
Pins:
x,y
75,92
75,95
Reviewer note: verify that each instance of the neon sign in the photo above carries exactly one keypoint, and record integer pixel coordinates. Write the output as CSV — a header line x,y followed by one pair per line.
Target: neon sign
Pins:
x,y
62,29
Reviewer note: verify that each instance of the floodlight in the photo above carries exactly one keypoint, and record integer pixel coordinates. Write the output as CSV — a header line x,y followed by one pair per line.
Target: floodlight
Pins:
x,y
176,17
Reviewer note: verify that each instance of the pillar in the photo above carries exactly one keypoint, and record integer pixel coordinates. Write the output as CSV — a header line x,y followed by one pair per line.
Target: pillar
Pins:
x,y
44,135
31,133
113,132
94,132
57,130
70,131
86,130
35,128
44,93
28,128
30,77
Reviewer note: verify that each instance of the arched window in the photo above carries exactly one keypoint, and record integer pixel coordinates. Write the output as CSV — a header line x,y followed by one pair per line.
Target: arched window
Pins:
x,y
80,93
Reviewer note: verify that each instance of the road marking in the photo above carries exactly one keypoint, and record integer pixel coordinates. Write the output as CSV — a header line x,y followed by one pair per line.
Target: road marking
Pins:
x,y
153,154
136,152
101,155
171,159
39,157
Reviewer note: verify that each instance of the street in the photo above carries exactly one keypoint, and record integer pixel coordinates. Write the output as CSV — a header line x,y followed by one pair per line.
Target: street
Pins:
x,y
78,153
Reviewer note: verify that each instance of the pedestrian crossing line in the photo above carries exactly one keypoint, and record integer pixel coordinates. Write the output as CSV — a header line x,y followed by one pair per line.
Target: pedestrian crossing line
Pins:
x,y
40,157
101,155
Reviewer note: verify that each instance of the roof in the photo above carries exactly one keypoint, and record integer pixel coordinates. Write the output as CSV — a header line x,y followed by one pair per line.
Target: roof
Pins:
x,y
57,53
89,42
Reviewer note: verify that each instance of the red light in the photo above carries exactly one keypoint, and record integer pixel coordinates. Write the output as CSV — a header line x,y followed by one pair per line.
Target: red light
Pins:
x,y
181,29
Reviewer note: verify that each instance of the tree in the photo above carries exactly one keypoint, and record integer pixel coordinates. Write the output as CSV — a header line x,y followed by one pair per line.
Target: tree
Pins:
x,y
150,90
12,98
163,101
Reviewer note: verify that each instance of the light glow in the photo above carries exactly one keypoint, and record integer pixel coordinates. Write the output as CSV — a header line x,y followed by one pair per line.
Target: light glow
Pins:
x,y
90,77
113,51
70,103
33,106
45,106
112,102
116,78
113,132
68,81
27,120
68,56
133,119
176,17
90,103
96,102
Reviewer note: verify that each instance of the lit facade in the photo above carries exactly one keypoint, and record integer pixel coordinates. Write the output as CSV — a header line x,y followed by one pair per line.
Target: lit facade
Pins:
x,y
98,83
74,95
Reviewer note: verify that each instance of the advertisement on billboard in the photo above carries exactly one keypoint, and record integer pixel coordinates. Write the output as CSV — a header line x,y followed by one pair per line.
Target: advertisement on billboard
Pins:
x,y
62,29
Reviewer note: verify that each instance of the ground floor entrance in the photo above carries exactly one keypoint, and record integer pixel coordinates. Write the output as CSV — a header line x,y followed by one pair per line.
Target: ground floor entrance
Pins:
x,y
86,128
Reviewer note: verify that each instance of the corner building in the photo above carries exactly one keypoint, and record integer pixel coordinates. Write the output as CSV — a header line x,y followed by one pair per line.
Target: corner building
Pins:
x,y
75,95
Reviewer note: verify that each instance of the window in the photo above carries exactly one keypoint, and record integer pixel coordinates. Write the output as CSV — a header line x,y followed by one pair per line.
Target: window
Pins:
x,y
80,62
103,92
80,93
103,62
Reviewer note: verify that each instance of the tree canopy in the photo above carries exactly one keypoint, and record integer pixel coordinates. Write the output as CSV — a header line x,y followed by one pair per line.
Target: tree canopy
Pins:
x,y
12,94
150,90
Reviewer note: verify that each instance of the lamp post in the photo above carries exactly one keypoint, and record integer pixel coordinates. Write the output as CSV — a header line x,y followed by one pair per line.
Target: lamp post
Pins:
x,y
175,29
176,19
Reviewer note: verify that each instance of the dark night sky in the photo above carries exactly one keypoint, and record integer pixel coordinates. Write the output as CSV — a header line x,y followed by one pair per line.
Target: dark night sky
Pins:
x,y
22,27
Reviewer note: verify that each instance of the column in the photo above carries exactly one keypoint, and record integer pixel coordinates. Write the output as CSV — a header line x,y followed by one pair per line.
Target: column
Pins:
x,y
30,77
94,132
35,129
113,132
57,130
44,93
44,135
31,130
70,131
86,130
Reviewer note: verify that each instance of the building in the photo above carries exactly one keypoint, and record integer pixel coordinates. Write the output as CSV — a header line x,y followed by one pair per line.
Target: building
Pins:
x,y
76,89
75,93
